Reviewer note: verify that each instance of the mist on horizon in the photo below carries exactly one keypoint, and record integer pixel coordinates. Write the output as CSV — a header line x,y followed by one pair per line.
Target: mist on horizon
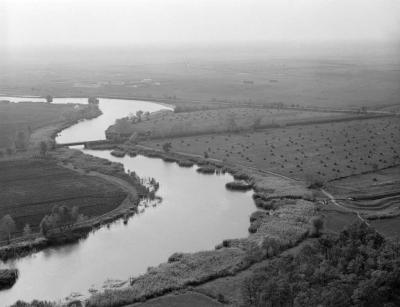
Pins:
x,y
39,28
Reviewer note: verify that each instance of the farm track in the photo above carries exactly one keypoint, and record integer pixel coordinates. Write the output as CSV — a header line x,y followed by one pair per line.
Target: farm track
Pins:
x,y
380,205
333,200
376,196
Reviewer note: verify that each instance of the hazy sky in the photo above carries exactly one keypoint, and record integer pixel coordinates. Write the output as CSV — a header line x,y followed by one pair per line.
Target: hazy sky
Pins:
x,y
122,22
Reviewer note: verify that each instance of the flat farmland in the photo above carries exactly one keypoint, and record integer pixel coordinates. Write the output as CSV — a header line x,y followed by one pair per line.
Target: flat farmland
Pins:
x,y
322,151
375,194
271,73
23,118
170,124
30,188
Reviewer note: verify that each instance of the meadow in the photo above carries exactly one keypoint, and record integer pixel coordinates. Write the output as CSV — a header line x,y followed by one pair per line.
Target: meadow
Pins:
x,y
193,77
375,195
322,151
19,120
170,124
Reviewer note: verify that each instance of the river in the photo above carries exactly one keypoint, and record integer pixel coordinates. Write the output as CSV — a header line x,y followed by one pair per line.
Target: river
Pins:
x,y
196,213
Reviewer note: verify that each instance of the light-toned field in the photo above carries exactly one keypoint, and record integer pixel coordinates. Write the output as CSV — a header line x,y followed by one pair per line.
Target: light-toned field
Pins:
x,y
19,120
169,124
350,76
324,151
375,195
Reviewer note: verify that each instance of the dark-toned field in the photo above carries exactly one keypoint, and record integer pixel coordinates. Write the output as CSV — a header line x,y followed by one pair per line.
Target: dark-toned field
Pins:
x,y
30,189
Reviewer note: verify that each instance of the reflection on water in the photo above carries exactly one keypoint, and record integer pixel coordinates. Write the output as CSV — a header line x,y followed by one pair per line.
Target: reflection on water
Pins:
x,y
91,130
196,213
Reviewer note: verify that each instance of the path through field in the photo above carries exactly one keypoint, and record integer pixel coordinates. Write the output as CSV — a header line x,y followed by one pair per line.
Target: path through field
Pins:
x,y
343,207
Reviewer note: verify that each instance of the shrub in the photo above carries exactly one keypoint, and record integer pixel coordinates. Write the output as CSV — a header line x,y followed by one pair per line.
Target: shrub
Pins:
x,y
167,146
317,224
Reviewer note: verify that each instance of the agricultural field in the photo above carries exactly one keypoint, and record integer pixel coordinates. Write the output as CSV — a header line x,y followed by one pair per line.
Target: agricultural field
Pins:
x,y
170,124
31,188
231,75
322,151
375,195
19,120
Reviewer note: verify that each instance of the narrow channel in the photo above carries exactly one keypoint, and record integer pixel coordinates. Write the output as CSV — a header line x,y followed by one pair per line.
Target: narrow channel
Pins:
x,y
196,213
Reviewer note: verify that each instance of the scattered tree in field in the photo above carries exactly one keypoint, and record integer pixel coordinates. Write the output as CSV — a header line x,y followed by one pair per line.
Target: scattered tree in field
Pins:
x,y
257,122
9,151
7,226
167,146
43,148
20,142
314,182
231,122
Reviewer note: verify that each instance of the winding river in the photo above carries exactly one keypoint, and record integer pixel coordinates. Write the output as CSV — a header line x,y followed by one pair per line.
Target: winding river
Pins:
x,y
196,213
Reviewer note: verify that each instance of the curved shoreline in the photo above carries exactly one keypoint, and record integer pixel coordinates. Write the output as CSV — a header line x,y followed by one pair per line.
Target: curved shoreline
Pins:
x,y
231,256
161,101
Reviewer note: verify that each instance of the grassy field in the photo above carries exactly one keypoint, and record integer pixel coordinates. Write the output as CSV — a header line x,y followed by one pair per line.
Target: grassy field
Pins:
x,y
30,188
170,124
19,120
288,74
376,195
324,151
192,299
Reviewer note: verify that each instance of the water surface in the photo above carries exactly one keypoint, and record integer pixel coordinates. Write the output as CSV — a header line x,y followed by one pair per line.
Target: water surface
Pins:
x,y
196,213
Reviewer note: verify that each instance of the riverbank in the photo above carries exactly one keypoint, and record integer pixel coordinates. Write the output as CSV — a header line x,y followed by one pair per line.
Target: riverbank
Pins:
x,y
84,167
8,278
263,182
184,271
266,239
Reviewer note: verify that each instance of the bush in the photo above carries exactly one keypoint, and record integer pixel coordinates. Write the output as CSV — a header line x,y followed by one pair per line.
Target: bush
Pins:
x,y
356,268
34,303
317,224
167,146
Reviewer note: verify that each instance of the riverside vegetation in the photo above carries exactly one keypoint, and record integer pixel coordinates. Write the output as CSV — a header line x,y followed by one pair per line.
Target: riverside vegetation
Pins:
x,y
287,259
36,211
291,222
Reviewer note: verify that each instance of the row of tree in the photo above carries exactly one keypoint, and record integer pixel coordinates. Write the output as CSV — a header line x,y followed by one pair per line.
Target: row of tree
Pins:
x,y
61,218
